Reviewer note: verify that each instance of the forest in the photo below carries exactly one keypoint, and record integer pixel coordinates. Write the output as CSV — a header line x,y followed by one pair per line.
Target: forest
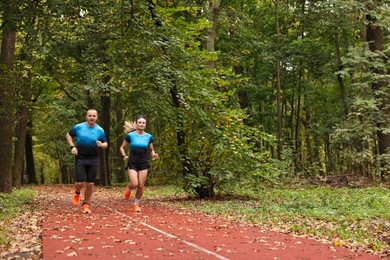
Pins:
x,y
247,93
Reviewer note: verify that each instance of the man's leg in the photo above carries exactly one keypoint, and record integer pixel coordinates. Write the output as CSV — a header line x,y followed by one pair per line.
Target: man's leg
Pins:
x,y
91,175
88,192
80,173
76,196
78,186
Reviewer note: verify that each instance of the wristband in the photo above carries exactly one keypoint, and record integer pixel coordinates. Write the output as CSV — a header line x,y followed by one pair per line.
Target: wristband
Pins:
x,y
71,147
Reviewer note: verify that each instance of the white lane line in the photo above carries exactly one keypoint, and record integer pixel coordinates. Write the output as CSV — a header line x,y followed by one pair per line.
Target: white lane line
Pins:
x,y
204,250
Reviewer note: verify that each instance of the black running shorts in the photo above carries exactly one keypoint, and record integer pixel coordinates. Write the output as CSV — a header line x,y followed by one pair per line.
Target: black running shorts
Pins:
x,y
86,169
138,167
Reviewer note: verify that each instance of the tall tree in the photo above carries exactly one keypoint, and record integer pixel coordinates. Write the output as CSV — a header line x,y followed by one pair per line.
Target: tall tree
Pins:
x,y
104,166
20,143
118,164
7,91
212,31
24,95
30,162
278,81
375,39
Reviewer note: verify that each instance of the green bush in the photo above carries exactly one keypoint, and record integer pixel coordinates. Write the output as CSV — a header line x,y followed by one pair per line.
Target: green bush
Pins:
x,y
10,203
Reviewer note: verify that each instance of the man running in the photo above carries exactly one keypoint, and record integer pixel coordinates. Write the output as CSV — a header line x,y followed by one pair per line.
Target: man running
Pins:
x,y
89,137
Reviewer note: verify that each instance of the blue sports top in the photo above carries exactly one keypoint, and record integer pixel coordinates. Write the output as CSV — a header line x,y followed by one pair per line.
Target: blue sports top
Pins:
x,y
86,138
138,147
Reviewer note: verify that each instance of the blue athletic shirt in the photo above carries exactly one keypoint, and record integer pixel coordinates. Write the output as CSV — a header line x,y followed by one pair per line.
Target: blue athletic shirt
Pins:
x,y
138,147
86,138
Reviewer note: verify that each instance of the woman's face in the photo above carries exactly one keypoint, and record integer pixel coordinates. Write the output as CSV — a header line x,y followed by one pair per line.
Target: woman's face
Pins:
x,y
141,123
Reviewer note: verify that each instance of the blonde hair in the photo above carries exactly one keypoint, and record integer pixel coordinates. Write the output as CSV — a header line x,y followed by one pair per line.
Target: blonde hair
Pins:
x,y
129,127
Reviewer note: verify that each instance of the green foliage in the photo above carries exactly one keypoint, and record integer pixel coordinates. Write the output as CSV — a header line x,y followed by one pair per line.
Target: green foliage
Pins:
x,y
357,136
11,203
162,59
144,59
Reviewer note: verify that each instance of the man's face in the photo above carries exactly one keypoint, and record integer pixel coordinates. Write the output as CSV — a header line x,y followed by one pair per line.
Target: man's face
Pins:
x,y
91,117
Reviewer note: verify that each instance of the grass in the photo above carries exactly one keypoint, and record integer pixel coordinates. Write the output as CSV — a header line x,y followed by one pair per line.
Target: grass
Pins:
x,y
343,216
10,204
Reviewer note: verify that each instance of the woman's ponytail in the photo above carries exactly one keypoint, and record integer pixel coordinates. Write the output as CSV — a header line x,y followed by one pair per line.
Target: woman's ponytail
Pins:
x,y
129,127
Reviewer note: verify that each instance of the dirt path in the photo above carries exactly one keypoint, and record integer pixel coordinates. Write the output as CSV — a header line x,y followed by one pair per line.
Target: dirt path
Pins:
x,y
112,231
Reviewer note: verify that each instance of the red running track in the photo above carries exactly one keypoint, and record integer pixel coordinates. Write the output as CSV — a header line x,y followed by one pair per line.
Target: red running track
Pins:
x,y
112,231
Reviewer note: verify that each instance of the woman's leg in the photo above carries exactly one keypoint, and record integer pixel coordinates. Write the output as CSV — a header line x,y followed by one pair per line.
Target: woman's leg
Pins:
x,y
141,183
133,177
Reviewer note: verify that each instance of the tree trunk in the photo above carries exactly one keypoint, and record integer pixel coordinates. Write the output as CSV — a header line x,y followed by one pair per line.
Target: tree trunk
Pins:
x,y
41,175
212,31
7,91
278,85
317,155
328,158
30,164
118,160
104,166
309,149
72,176
243,98
339,78
297,148
188,168
375,39
64,174
21,137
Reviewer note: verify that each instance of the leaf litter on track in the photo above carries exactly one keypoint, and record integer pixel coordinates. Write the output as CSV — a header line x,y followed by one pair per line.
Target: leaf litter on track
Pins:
x,y
27,231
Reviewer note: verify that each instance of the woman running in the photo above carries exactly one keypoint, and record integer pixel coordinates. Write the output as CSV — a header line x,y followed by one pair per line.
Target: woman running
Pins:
x,y
138,164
